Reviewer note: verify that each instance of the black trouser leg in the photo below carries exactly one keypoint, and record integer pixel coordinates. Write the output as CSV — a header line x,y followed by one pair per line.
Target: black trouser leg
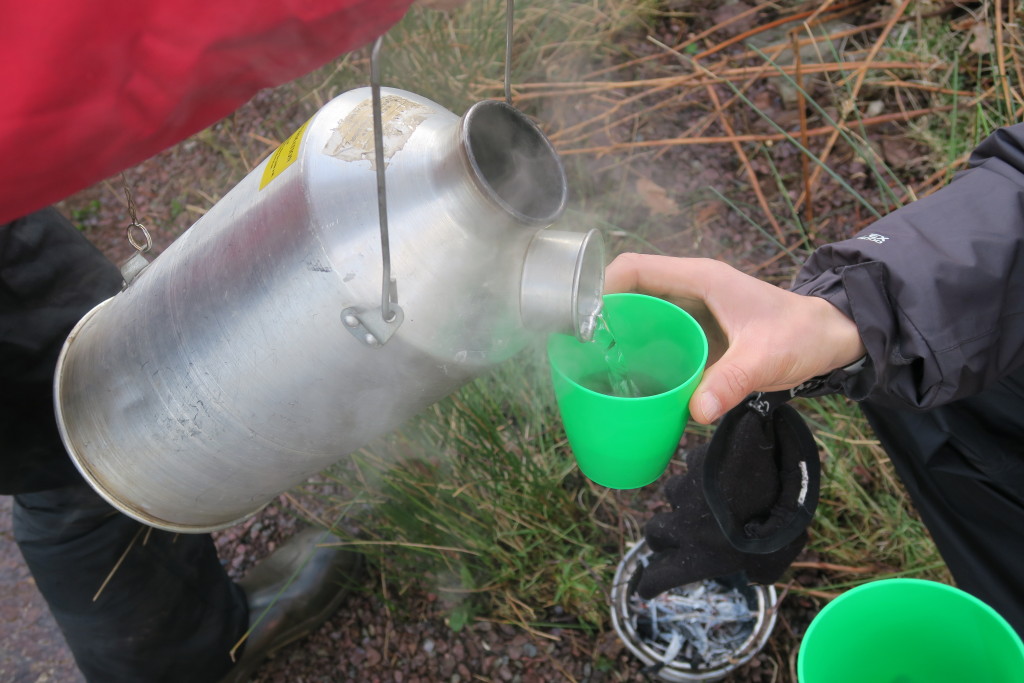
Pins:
x,y
963,465
168,612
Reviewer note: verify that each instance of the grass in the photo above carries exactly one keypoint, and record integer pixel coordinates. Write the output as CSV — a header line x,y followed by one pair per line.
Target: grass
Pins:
x,y
484,478
865,526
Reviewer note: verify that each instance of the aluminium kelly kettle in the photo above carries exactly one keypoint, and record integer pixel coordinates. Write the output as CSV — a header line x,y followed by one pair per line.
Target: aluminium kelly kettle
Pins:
x,y
286,329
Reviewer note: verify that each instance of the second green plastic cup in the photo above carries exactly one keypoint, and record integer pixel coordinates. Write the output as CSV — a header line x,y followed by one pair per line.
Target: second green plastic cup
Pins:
x,y
625,442
909,631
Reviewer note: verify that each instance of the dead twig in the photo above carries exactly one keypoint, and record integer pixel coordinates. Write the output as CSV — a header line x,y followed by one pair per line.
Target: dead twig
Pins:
x,y
1001,57
842,10
120,561
861,70
750,137
830,567
805,163
564,88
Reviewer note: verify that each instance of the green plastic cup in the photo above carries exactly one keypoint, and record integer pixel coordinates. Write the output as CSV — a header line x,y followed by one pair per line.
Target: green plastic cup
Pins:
x,y
625,442
909,631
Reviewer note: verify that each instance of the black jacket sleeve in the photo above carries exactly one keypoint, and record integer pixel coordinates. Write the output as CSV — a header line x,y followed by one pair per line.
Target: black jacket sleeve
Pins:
x,y
936,288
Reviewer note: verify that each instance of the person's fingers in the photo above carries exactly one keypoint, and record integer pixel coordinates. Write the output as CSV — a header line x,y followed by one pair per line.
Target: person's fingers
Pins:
x,y
621,274
657,276
769,339
680,279
722,387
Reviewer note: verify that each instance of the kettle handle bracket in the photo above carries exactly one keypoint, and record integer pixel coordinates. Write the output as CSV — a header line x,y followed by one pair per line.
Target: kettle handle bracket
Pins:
x,y
369,325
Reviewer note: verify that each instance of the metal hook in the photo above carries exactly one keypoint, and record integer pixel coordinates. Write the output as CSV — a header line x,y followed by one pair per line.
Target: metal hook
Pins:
x,y
137,263
135,225
146,244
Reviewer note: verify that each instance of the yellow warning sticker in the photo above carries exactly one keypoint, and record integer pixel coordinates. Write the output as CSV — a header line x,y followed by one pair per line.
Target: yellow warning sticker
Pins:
x,y
283,157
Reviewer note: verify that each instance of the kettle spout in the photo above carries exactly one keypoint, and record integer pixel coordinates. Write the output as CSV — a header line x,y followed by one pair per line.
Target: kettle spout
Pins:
x,y
563,282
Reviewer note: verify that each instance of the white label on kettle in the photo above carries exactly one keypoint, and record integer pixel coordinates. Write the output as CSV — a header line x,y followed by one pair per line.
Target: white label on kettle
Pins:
x,y
352,138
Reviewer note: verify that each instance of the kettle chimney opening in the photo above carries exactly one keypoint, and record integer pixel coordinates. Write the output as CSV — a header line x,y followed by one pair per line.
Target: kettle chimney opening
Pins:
x,y
513,162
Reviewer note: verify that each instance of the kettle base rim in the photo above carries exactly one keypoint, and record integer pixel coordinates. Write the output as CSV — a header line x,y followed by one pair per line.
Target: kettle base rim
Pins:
x,y
82,465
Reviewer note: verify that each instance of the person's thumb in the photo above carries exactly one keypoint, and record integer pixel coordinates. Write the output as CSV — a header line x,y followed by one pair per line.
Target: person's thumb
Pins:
x,y
723,386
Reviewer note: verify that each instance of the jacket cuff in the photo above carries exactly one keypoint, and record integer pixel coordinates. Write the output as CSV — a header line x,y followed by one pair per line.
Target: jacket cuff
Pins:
x,y
855,381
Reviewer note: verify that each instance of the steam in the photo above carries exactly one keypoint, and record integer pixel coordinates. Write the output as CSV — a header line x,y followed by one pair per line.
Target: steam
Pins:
x,y
516,162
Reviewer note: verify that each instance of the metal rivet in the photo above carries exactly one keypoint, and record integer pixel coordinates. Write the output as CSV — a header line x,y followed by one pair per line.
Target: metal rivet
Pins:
x,y
370,339
350,320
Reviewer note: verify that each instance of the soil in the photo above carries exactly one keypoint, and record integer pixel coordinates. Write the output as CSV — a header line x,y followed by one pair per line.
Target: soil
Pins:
x,y
376,636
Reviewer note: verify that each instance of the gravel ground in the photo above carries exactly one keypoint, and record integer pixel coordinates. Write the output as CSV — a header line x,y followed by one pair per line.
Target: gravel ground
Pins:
x,y
32,649
376,636
381,637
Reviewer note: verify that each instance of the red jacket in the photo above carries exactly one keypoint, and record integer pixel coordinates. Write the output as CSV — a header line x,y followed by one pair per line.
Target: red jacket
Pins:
x,y
93,87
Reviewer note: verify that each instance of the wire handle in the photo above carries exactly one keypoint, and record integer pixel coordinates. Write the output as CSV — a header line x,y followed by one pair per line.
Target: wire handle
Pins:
x,y
510,8
365,325
388,288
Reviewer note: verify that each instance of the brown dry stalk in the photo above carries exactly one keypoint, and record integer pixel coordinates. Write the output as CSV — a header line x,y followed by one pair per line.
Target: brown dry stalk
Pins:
x,y
303,509
815,39
681,46
757,268
560,89
926,87
525,625
862,70
842,10
826,595
768,137
805,163
699,125
1015,36
1001,57
808,16
747,168
399,544
936,180
559,136
828,566
120,561
612,110
821,10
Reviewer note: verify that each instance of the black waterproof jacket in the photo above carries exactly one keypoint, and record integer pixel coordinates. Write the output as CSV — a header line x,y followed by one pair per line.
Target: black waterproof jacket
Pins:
x,y
936,288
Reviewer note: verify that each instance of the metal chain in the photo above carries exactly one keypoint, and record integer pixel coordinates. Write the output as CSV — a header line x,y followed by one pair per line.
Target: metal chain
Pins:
x,y
135,227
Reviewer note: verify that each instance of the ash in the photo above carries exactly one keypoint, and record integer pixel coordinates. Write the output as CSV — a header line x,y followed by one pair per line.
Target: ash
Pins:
x,y
703,624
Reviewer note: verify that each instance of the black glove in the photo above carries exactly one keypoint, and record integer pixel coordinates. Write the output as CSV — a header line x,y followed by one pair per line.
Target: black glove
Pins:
x,y
743,505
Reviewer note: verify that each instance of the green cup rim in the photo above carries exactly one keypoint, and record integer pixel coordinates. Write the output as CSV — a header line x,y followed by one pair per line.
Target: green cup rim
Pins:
x,y
624,295
881,584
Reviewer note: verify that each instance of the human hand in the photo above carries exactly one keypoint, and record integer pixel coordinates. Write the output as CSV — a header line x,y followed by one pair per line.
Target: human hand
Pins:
x,y
760,337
